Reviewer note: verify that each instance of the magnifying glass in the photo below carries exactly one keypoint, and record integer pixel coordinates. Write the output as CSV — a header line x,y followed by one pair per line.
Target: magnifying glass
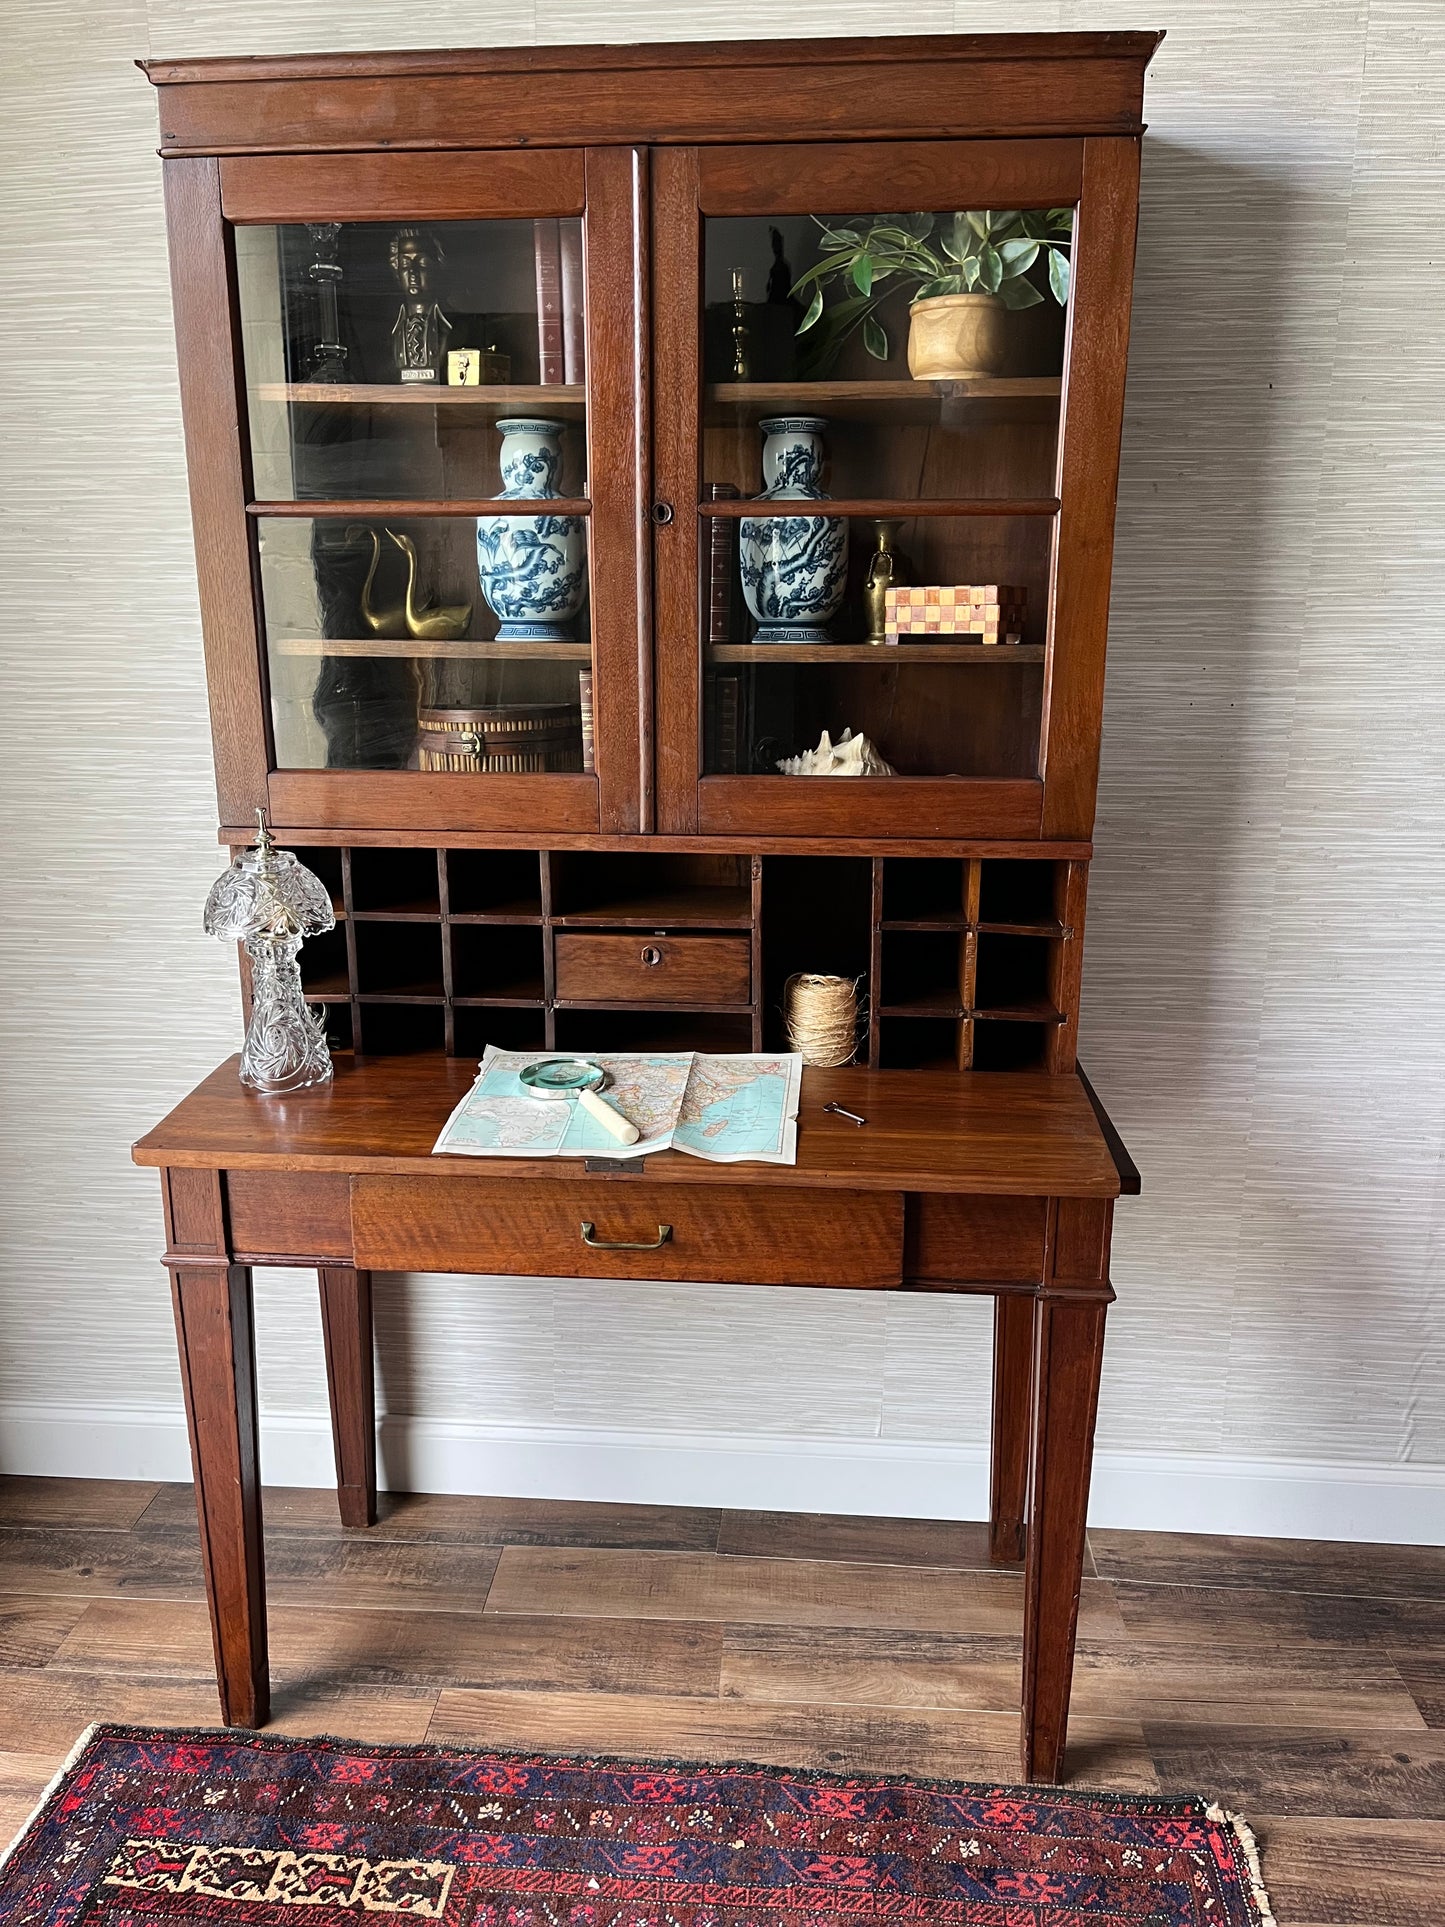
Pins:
x,y
579,1079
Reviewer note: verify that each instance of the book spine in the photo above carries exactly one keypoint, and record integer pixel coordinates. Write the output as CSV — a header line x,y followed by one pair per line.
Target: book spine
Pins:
x,y
718,600
584,693
574,306
721,570
728,711
547,247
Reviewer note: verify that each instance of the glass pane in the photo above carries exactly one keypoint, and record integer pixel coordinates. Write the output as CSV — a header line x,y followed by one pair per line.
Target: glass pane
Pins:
x,y
380,357
945,692
960,398
443,643
926,634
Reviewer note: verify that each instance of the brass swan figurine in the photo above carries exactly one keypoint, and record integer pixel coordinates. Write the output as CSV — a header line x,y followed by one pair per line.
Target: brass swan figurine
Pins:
x,y
433,622
379,622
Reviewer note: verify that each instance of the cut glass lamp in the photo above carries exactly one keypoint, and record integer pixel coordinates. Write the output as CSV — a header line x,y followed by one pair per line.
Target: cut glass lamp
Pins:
x,y
271,902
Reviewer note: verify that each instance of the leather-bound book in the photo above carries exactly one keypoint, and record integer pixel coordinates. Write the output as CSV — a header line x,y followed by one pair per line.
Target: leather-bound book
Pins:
x,y
547,242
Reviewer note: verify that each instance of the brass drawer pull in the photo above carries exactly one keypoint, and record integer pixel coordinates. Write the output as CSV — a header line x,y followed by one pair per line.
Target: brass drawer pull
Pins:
x,y
664,1233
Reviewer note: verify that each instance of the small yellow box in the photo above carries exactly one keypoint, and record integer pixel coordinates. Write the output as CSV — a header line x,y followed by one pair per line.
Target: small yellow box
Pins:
x,y
993,611
464,368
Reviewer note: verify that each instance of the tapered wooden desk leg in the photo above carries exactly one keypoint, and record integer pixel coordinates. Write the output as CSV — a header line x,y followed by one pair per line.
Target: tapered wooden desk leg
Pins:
x,y
218,1369
351,1384
1068,1349
1013,1372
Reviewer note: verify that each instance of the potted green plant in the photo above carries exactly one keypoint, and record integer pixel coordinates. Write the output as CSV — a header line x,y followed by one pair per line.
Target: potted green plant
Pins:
x,y
966,271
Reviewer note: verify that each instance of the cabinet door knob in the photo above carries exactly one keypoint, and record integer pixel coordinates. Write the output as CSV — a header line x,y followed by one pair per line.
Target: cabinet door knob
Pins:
x,y
662,513
589,1237
651,956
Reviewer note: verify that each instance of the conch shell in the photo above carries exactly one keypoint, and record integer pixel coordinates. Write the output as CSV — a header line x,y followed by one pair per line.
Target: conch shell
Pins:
x,y
850,756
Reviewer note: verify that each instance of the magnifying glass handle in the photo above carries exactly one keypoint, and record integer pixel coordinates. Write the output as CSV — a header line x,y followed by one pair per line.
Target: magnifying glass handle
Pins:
x,y
611,1120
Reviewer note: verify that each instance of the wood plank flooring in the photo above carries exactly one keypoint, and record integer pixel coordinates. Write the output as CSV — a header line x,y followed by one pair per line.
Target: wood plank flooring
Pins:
x,y
1303,1684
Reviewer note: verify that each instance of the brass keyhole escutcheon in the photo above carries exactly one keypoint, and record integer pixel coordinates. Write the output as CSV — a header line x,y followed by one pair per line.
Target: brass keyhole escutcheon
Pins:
x,y
651,956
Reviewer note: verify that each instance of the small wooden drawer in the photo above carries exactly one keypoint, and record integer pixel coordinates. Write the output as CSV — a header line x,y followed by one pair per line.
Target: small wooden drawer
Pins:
x,y
640,969
728,1234
976,1239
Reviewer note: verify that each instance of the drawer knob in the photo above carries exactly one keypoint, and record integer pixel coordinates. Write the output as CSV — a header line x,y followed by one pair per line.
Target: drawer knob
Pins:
x,y
589,1237
651,955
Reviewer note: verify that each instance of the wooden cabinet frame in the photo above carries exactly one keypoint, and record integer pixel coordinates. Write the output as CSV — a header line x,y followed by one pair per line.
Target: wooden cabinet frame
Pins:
x,y
1098,175
206,198
647,142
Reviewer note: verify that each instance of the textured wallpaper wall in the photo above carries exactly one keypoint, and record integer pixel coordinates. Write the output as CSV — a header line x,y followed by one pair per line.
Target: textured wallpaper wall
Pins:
x,y
1266,912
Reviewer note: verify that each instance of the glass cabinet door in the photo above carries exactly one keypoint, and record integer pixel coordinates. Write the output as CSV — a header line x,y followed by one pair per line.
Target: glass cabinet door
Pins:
x,y
864,574
422,457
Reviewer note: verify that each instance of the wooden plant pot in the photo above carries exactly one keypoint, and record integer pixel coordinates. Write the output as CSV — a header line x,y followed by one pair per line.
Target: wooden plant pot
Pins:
x,y
957,337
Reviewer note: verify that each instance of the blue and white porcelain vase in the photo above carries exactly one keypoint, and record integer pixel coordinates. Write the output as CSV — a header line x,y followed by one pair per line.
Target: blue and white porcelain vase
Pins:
x,y
533,568
793,566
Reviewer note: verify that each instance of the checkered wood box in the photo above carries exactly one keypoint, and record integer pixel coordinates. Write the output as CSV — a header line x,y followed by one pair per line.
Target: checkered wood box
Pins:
x,y
990,610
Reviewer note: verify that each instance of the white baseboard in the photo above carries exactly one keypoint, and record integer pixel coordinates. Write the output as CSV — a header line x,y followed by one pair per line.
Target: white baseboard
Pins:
x,y
1162,1492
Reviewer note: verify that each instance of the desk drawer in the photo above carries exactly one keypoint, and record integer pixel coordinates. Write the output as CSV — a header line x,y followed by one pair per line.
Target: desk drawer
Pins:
x,y
642,969
726,1233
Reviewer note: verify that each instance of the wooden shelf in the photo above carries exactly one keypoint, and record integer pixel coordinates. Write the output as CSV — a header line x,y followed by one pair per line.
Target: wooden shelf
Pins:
x,y
889,389
709,909
430,992
420,911
519,997
326,988
368,508
405,647
958,920
498,1003
664,1004
1017,397
946,920
868,508
1022,927
512,398
946,1004
516,913
881,654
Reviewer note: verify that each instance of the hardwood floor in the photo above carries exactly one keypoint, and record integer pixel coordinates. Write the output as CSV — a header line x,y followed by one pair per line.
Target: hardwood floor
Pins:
x,y
1302,1684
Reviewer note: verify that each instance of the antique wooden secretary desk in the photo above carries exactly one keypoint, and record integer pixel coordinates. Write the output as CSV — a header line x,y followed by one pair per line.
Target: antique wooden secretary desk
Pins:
x,y
561,822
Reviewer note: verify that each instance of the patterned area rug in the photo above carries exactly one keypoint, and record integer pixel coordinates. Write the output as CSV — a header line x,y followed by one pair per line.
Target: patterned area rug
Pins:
x,y
146,1828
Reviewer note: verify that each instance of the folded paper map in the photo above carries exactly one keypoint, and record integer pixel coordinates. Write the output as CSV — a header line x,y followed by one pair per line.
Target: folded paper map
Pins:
x,y
729,1109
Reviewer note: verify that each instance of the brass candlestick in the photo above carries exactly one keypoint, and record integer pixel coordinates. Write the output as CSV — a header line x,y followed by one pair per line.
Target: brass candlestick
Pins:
x,y
742,345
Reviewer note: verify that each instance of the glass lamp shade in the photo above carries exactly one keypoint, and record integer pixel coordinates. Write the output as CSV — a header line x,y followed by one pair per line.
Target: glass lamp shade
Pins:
x,y
268,892
271,903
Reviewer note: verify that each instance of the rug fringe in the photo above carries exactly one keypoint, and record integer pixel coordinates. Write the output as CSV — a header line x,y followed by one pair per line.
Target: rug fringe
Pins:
x,y
1249,1847
52,1785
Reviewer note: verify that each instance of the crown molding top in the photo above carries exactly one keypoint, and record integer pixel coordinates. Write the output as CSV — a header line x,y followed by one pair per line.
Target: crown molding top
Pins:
x,y
668,56
943,86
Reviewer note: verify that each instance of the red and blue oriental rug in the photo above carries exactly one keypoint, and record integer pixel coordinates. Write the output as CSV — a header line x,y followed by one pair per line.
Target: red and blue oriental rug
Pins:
x,y
161,1829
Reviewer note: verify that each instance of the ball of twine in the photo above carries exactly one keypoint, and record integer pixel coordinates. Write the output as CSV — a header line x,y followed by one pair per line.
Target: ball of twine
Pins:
x,y
821,1014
